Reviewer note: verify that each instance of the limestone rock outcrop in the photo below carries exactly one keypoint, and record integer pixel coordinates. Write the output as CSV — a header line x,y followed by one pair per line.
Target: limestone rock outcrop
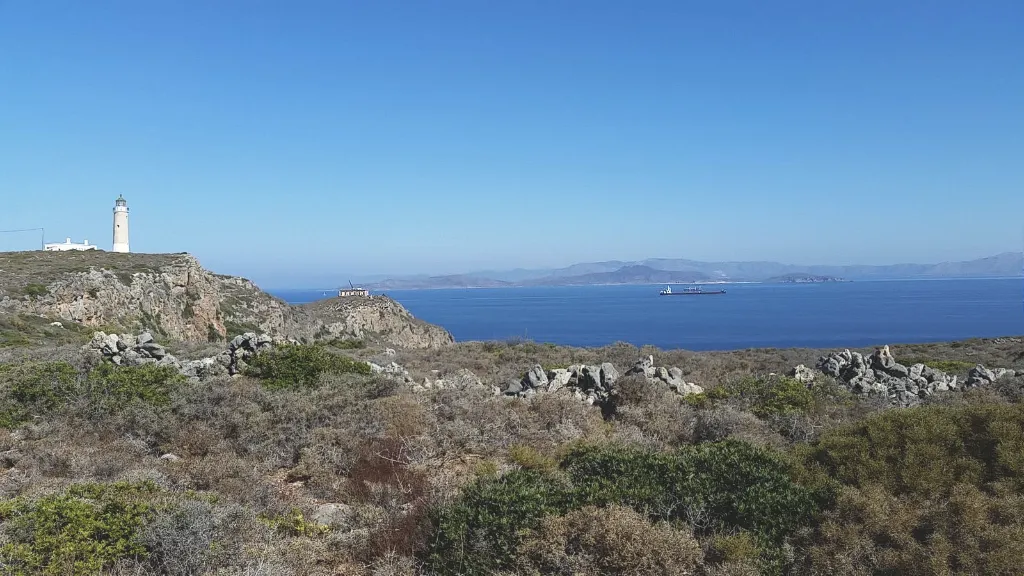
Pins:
x,y
802,374
591,384
126,350
880,374
596,384
241,349
671,377
174,297
981,376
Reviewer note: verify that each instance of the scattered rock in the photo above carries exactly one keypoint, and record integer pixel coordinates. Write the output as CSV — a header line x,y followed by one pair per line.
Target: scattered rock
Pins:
x,y
802,374
558,378
204,368
536,378
334,515
644,367
596,384
980,376
904,386
118,350
464,380
243,347
673,378
143,349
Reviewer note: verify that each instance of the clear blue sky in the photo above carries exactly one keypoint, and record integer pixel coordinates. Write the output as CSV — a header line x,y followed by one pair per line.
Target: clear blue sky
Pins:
x,y
300,141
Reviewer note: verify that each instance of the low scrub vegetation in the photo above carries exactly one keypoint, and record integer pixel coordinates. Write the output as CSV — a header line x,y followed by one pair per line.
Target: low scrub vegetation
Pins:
x,y
309,464
81,531
707,489
301,366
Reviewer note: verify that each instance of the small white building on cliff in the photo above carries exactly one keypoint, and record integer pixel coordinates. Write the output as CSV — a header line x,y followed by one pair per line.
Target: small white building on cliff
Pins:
x,y
67,245
359,292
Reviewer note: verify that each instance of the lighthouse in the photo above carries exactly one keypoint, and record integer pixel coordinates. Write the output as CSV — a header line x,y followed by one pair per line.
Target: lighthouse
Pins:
x,y
121,225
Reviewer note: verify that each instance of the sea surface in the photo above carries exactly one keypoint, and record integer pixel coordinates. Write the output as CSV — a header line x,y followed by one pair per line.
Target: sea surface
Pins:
x,y
824,315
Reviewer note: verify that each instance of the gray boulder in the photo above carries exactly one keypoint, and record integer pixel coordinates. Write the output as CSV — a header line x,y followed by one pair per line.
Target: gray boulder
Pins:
x,y
339,516
558,379
802,374
536,378
589,378
644,366
153,350
979,376
609,375
882,359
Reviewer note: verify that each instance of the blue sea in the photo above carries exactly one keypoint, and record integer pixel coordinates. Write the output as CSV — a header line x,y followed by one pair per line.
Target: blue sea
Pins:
x,y
850,314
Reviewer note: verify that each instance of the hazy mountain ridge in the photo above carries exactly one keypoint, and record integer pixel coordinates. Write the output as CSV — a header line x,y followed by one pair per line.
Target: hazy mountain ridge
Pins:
x,y
623,275
660,270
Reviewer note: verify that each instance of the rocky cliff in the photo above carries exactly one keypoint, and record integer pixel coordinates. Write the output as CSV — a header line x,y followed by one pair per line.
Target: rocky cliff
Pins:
x,y
173,296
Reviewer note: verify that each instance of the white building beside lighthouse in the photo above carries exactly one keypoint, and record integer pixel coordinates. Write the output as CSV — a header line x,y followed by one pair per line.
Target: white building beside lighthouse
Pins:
x,y
121,225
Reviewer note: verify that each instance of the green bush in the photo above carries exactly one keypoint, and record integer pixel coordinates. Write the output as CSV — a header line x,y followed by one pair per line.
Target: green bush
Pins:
x,y
297,366
708,398
716,487
773,396
731,484
481,533
930,490
348,344
529,457
926,451
82,531
34,291
34,388
111,386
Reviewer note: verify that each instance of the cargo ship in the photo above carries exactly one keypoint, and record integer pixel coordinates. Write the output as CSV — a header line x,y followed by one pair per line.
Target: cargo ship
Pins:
x,y
688,291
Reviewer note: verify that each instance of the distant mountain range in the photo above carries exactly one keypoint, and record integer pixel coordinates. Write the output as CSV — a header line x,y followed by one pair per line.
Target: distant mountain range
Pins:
x,y
678,271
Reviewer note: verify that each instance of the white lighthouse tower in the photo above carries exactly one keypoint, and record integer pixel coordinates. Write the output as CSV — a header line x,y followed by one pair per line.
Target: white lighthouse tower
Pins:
x,y
121,225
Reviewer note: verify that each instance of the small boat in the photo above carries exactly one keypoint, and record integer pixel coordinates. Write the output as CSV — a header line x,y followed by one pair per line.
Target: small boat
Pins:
x,y
688,291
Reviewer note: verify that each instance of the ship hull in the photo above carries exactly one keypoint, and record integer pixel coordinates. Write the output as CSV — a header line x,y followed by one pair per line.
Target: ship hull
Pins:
x,y
692,293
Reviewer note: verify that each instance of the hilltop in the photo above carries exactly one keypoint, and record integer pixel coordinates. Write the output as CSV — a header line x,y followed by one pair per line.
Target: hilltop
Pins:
x,y
173,296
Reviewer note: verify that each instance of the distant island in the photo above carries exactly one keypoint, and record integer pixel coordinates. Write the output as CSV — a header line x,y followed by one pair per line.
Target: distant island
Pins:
x,y
803,279
683,271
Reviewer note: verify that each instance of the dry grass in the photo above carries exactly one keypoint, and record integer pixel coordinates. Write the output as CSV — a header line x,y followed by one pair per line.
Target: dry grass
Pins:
x,y
20,269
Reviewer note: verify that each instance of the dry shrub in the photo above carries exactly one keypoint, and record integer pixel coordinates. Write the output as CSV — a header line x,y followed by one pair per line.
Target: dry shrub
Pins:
x,y
658,413
550,420
392,564
728,422
381,476
226,474
873,532
197,439
738,568
401,416
613,540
